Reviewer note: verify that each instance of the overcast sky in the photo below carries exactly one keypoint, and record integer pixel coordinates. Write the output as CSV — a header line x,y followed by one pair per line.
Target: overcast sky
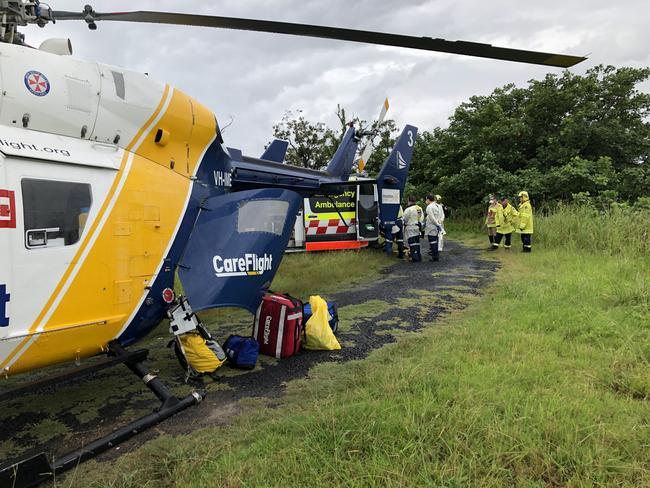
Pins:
x,y
255,77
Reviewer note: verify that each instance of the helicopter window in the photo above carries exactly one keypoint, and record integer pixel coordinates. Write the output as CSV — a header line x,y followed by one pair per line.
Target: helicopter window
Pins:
x,y
55,212
262,216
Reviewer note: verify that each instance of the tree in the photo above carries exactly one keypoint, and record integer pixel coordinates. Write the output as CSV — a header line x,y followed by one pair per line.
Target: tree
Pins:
x,y
312,145
562,135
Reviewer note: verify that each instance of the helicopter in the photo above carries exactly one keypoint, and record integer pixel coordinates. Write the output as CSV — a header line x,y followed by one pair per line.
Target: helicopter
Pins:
x,y
111,183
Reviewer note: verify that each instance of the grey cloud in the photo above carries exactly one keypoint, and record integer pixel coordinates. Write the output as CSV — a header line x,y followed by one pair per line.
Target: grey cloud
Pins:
x,y
256,77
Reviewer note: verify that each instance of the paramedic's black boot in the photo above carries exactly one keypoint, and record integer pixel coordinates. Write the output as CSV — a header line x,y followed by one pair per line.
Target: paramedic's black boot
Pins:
x,y
433,248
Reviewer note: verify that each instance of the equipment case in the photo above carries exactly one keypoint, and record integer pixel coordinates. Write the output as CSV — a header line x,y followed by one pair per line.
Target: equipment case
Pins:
x,y
278,325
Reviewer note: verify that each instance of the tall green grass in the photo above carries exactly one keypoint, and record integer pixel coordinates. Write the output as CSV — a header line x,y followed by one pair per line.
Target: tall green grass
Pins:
x,y
623,232
545,381
615,232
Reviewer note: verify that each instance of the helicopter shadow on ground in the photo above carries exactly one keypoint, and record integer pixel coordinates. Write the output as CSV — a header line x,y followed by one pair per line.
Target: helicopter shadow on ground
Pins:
x,y
66,417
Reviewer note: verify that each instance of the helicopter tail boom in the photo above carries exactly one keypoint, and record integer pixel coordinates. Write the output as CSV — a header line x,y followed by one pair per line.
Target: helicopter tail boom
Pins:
x,y
250,172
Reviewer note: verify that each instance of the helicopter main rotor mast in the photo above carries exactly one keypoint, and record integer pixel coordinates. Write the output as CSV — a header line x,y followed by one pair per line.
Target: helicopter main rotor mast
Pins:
x,y
20,13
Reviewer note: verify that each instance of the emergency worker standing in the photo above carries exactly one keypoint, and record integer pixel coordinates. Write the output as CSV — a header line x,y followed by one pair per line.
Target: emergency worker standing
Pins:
x,y
443,211
434,218
525,221
491,221
413,217
505,222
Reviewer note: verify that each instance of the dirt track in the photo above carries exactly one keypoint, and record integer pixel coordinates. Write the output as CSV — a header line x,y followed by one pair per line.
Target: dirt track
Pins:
x,y
372,315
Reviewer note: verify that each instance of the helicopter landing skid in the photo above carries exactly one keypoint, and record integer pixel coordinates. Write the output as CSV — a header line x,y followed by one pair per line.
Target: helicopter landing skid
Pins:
x,y
34,470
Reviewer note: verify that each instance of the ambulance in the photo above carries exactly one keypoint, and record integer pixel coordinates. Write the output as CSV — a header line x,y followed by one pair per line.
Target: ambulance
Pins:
x,y
349,220
353,218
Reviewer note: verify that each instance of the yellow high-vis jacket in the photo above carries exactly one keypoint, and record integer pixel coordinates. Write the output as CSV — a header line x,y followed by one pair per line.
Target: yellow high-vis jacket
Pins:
x,y
491,219
506,219
525,218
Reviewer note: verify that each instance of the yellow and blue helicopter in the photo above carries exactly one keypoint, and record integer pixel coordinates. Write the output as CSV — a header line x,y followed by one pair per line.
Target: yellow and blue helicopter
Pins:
x,y
110,183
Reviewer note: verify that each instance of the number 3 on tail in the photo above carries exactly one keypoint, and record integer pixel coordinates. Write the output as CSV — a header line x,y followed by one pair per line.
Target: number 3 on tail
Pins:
x,y
410,141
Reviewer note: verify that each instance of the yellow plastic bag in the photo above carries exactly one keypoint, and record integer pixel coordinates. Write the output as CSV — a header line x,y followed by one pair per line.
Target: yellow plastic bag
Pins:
x,y
318,334
203,356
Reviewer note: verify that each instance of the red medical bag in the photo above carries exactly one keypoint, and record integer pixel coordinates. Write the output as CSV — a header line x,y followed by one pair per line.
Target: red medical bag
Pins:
x,y
278,325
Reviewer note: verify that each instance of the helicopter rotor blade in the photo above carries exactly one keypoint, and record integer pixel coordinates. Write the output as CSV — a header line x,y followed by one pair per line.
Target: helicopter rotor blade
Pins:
x,y
307,30
367,151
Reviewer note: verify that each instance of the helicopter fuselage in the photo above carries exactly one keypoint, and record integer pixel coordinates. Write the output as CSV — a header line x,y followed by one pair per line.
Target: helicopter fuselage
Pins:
x,y
110,183
96,176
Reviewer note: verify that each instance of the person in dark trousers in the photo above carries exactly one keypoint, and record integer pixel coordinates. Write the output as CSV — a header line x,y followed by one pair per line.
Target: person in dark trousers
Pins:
x,y
413,217
505,223
394,233
525,221
434,217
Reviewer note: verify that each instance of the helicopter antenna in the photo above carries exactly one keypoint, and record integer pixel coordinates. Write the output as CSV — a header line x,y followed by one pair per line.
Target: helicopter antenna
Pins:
x,y
232,119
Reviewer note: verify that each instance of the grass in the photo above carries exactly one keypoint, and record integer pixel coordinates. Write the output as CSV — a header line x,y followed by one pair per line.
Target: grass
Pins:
x,y
544,381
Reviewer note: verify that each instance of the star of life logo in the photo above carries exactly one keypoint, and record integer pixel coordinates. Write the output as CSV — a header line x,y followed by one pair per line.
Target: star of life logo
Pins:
x,y
249,265
37,83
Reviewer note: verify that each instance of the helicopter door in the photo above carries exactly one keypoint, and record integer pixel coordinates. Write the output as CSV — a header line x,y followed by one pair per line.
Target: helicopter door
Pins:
x,y
236,247
54,205
367,212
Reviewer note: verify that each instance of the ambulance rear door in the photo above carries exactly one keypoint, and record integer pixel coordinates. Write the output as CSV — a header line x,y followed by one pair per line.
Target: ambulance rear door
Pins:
x,y
367,212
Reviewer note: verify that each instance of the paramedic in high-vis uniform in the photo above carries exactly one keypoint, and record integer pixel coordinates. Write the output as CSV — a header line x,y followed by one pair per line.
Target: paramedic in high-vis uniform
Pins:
x,y
433,226
413,218
505,222
491,221
525,221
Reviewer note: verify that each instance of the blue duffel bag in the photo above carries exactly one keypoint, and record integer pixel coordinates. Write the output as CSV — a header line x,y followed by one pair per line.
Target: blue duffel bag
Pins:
x,y
241,352
331,309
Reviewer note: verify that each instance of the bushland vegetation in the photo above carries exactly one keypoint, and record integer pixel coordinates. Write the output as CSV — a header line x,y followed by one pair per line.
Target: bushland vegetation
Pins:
x,y
564,138
567,137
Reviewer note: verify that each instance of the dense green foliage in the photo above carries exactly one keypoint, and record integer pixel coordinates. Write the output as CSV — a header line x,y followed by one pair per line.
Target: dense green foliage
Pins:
x,y
565,137
573,138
